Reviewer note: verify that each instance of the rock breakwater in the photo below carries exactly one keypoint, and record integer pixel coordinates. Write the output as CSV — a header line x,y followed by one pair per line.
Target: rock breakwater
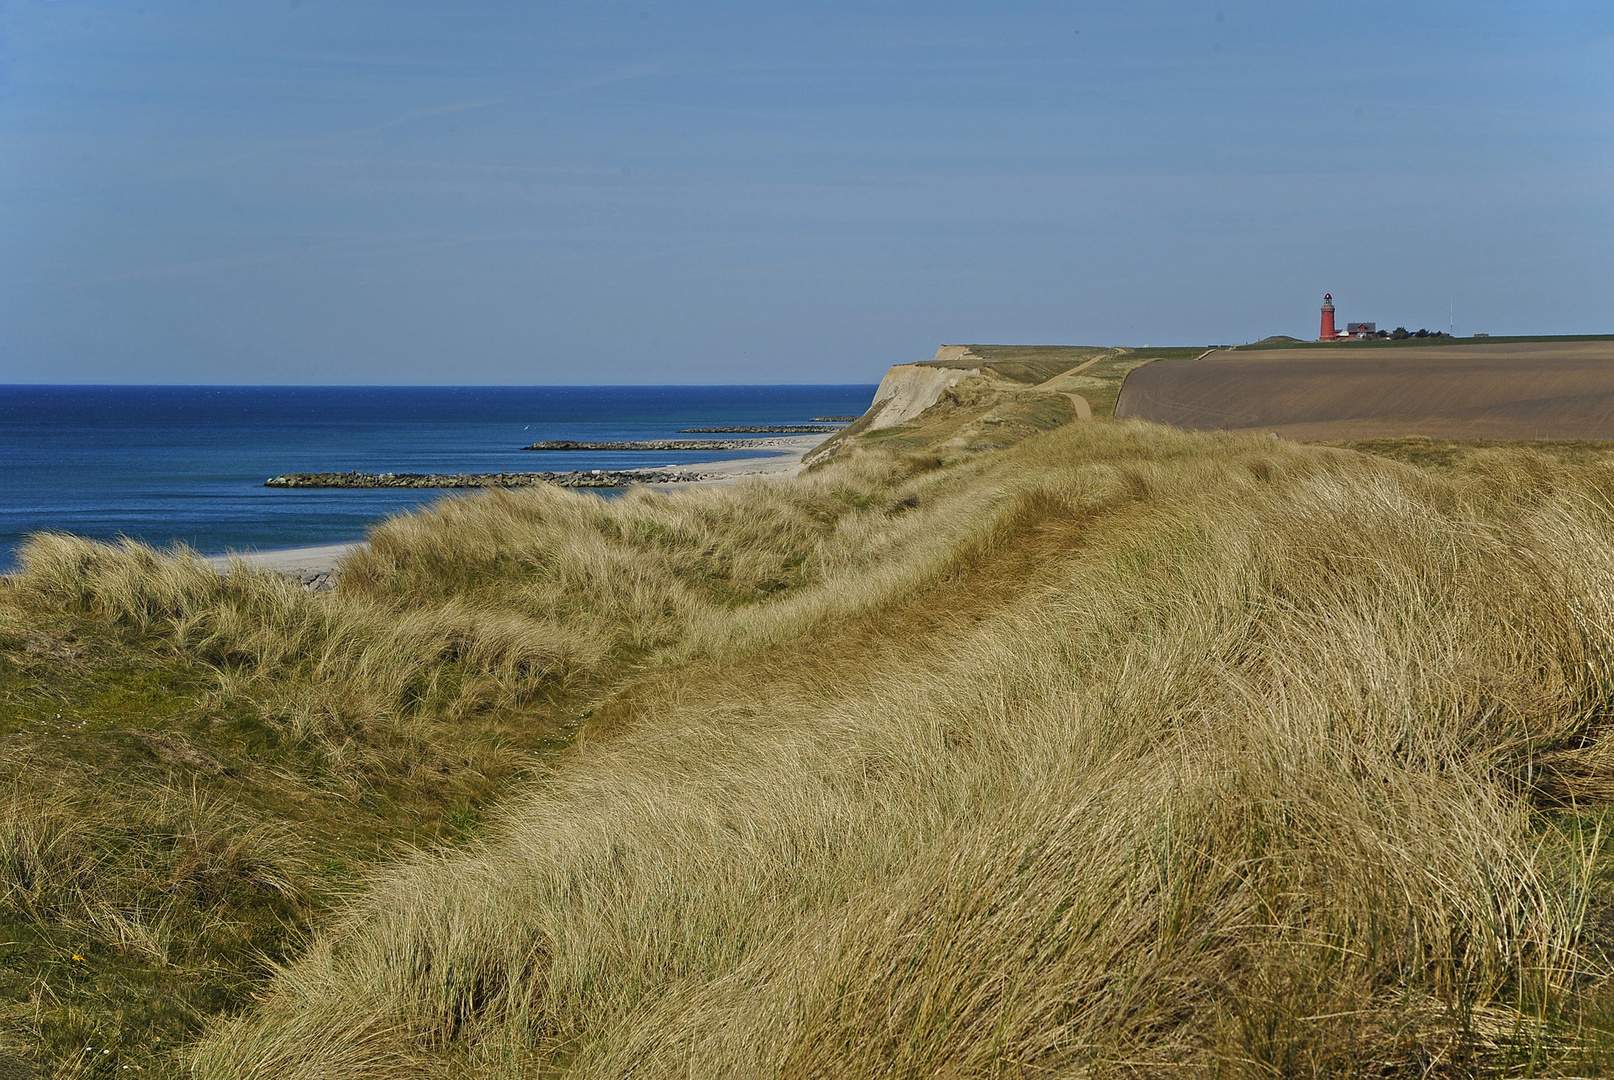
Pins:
x,y
596,478
764,429
656,444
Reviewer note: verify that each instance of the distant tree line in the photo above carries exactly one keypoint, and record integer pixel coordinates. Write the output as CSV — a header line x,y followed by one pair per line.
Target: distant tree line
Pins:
x,y
1401,333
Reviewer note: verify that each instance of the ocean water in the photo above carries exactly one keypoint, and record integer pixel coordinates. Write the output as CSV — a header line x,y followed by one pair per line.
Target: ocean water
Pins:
x,y
167,464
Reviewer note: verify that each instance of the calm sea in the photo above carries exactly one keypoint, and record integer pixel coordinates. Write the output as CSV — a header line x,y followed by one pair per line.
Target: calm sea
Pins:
x,y
187,463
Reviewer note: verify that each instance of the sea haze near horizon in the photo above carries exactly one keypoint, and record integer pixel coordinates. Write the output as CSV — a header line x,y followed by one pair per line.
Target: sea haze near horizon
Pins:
x,y
186,464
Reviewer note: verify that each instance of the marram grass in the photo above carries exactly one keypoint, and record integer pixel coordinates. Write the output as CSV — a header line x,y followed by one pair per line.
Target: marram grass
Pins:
x,y
1116,752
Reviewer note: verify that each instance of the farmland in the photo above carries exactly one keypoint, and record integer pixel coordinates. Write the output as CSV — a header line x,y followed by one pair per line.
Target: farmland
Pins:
x,y
1498,390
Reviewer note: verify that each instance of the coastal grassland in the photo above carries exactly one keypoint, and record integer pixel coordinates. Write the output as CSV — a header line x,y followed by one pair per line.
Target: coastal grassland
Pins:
x,y
1027,364
1115,751
199,766
984,749
165,830
1102,370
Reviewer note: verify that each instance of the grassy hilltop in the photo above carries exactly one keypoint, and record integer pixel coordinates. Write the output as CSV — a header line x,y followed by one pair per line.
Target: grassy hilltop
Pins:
x,y
999,744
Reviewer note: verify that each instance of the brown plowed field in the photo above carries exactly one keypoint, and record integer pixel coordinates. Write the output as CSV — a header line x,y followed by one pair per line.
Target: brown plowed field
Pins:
x,y
1513,390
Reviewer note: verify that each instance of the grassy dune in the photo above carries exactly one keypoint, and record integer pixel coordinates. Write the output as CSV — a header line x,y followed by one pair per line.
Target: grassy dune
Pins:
x,y
1099,749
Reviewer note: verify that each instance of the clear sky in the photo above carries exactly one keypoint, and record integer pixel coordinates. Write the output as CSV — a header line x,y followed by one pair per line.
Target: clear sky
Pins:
x,y
425,191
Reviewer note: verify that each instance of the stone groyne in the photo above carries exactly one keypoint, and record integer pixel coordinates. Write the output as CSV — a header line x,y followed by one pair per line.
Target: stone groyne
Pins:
x,y
766,429
596,478
657,444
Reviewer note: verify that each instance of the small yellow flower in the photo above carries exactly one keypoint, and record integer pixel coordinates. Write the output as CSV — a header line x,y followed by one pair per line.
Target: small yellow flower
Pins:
x,y
77,957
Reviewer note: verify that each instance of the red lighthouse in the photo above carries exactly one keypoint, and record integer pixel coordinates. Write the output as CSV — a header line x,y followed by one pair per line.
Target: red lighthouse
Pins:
x,y
1328,332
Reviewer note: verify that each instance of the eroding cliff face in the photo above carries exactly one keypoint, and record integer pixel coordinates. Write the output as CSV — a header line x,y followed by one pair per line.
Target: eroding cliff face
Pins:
x,y
982,394
908,390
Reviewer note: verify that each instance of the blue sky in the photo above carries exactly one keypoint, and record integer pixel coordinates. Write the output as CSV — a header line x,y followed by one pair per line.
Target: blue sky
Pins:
x,y
418,191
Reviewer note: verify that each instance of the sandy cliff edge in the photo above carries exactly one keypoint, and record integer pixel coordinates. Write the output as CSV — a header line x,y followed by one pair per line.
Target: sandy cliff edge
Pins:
x,y
908,390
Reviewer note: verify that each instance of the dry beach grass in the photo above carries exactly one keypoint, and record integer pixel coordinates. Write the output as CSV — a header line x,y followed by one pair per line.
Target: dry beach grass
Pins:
x,y
1108,750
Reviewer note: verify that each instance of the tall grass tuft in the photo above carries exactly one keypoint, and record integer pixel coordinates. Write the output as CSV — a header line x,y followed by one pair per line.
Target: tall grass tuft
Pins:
x,y
150,878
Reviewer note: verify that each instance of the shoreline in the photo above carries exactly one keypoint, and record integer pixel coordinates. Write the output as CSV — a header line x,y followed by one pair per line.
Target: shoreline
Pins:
x,y
314,566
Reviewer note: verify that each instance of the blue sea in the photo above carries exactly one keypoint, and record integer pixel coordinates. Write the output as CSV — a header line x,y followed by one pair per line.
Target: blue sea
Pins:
x,y
167,464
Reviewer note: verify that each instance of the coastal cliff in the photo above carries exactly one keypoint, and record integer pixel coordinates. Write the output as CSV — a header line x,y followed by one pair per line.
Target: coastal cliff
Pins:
x,y
906,391
987,395
909,389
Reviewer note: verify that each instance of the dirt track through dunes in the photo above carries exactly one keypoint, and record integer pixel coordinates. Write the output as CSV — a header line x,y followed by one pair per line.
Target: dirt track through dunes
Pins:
x,y
1514,390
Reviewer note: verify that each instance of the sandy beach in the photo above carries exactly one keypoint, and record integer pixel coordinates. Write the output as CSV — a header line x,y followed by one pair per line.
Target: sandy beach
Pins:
x,y
783,460
314,566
